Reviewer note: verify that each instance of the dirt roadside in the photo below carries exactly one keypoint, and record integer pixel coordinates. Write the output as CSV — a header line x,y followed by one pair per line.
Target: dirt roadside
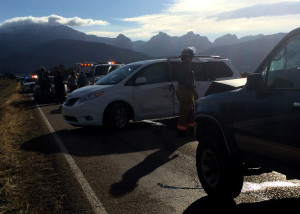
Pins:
x,y
30,182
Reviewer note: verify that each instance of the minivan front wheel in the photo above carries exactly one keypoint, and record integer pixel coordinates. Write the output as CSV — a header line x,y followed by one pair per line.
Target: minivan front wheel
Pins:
x,y
118,116
219,175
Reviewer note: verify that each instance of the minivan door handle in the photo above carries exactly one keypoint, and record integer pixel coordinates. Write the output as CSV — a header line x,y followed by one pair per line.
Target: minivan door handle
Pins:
x,y
296,104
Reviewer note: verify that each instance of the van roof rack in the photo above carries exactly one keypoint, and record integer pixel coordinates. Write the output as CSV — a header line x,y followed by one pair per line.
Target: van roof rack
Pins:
x,y
209,56
200,56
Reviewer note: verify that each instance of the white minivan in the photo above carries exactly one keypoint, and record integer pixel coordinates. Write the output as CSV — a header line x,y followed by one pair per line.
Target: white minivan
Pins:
x,y
139,91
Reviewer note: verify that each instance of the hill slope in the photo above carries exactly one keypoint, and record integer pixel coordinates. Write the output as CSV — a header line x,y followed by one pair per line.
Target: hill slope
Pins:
x,y
32,34
66,52
27,47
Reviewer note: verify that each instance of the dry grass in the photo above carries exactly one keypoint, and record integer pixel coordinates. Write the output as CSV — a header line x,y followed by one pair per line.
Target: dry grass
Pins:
x,y
29,182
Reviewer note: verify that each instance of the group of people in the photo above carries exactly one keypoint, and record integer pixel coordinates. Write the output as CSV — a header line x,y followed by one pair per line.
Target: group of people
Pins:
x,y
44,82
75,82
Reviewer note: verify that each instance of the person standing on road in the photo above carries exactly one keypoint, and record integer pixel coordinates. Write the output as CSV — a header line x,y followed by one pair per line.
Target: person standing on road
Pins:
x,y
82,81
186,92
40,74
72,83
45,87
59,87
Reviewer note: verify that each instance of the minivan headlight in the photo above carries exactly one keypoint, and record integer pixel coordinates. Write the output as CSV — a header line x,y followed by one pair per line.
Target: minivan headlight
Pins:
x,y
91,96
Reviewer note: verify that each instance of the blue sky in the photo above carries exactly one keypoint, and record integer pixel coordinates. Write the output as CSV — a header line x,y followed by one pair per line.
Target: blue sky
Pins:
x,y
142,19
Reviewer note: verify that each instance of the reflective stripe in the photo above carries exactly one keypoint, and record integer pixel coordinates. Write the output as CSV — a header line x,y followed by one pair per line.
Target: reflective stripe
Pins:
x,y
180,127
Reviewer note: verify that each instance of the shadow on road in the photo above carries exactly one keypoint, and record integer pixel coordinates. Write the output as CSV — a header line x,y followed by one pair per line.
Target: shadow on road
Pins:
x,y
207,205
80,142
132,176
165,154
95,141
57,111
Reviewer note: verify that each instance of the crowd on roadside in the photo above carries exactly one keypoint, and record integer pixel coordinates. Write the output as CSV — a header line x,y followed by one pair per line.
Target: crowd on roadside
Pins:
x,y
74,81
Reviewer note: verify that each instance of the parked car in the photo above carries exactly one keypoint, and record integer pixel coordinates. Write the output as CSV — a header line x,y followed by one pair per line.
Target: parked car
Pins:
x,y
255,125
140,90
29,83
101,70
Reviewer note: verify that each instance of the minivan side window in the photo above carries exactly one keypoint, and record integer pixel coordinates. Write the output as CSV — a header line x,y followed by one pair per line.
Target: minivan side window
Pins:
x,y
284,67
205,71
200,71
218,70
174,70
155,73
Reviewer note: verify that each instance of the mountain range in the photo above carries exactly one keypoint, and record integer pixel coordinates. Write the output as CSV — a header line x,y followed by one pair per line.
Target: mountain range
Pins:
x,y
246,55
25,48
165,45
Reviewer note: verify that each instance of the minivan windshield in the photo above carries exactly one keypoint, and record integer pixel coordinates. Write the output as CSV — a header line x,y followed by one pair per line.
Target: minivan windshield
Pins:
x,y
118,75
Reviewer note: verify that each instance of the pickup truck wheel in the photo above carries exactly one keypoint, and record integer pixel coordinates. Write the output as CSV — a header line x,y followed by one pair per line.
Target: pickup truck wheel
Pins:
x,y
219,175
118,116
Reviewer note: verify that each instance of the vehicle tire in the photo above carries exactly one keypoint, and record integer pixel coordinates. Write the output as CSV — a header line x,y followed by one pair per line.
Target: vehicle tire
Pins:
x,y
219,175
118,116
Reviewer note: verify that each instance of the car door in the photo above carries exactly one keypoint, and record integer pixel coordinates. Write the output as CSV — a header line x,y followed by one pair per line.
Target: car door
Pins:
x,y
154,98
268,126
173,71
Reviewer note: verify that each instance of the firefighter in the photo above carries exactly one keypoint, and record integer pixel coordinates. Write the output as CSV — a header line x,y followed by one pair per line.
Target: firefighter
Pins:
x,y
72,81
186,92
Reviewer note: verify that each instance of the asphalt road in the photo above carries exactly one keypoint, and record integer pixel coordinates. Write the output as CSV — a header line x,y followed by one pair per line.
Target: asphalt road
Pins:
x,y
147,169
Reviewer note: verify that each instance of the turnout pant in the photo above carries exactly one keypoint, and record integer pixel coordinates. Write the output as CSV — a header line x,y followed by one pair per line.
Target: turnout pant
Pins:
x,y
186,112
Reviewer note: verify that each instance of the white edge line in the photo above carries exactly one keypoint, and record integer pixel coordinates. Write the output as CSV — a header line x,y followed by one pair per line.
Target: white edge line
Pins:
x,y
87,189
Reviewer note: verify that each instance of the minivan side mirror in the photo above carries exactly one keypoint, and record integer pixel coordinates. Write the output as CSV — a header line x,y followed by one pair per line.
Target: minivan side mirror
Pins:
x,y
140,81
255,82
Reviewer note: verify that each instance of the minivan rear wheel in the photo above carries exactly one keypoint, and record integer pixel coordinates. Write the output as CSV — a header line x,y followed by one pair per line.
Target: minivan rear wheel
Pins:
x,y
218,173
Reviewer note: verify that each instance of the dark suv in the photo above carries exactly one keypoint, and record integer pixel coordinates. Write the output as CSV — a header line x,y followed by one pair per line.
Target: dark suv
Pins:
x,y
258,124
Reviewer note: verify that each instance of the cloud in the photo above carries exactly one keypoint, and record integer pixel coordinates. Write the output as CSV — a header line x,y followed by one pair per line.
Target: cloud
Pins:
x,y
263,10
215,6
53,20
205,18
104,33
